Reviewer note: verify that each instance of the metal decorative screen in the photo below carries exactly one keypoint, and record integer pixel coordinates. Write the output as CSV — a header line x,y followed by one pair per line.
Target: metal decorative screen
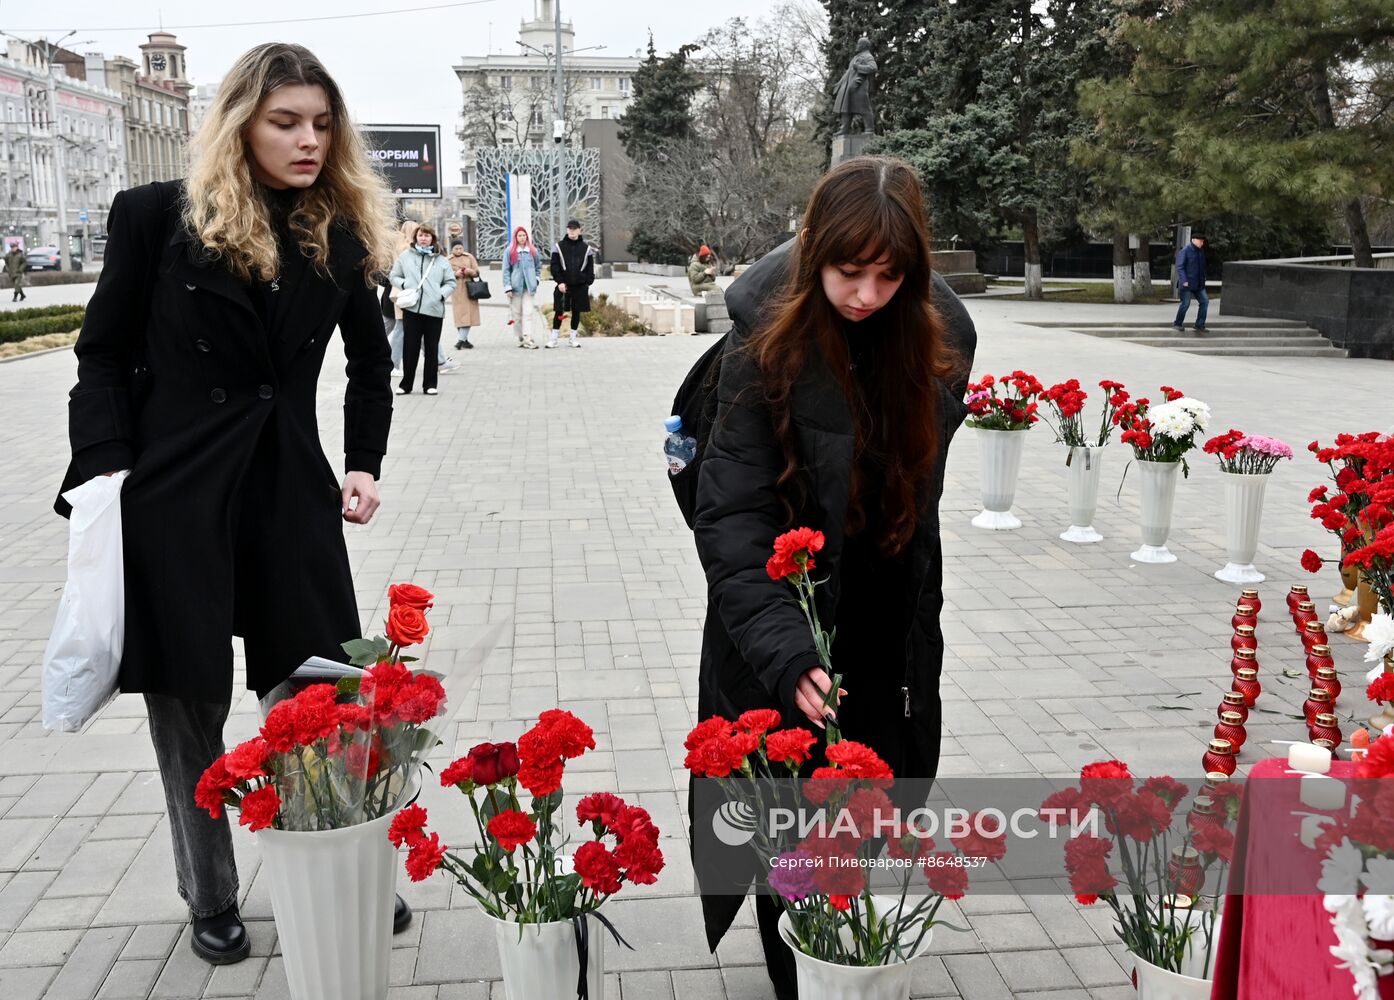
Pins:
x,y
492,167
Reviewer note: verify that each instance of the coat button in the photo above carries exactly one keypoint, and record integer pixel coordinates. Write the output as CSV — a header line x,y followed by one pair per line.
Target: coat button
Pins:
x,y
203,346
265,391
190,287
218,395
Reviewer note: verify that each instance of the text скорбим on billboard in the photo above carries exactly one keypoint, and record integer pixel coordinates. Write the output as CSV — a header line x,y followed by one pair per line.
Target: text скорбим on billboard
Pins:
x,y
408,156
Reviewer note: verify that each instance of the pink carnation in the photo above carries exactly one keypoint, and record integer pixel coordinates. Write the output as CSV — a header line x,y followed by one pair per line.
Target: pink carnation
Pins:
x,y
1265,446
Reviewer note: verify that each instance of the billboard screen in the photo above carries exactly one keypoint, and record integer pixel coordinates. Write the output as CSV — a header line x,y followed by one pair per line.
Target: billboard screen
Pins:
x,y
408,156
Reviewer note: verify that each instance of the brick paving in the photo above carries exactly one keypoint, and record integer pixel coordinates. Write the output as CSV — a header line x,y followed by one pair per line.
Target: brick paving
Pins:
x,y
530,497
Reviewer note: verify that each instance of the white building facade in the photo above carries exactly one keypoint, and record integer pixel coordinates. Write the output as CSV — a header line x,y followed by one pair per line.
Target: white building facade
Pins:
x,y
87,119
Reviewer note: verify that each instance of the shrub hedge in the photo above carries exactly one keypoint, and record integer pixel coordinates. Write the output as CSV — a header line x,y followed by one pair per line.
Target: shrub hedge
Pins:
x,y
12,330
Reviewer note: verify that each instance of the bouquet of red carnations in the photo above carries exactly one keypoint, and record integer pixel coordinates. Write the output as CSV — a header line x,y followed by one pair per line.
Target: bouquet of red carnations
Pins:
x,y
336,755
516,870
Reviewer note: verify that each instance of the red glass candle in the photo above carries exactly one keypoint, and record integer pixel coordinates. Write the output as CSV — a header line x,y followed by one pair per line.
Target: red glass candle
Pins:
x,y
1326,728
1327,680
1246,683
1326,744
1244,615
1231,727
1296,596
1313,634
1318,701
1244,638
1250,597
1213,780
1233,701
1317,657
1220,757
1305,612
1243,658
1184,873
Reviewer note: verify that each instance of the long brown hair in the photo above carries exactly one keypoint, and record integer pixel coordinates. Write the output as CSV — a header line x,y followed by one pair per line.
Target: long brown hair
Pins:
x,y
864,210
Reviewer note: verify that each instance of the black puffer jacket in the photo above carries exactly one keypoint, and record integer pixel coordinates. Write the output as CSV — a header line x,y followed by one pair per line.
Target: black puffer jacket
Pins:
x,y
756,643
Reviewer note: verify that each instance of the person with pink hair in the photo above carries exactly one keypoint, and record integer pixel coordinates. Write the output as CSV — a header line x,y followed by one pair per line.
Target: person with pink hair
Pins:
x,y
522,273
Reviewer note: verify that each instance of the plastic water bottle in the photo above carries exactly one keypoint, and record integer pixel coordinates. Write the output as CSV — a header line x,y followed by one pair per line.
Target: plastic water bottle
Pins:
x,y
679,448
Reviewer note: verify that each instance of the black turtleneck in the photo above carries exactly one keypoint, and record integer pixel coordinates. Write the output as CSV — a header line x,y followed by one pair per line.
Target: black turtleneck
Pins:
x,y
269,296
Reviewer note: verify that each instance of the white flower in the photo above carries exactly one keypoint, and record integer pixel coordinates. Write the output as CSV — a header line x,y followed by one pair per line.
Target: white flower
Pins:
x,y
1380,633
1379,878
1171,420
1341,871
1379,915
1200,412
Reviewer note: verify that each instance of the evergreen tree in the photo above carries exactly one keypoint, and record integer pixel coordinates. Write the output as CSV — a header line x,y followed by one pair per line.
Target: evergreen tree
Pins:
x,y
658,120
1272,109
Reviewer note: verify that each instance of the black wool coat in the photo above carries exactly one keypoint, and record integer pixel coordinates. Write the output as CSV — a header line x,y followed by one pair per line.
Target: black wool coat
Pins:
x,y
573,264
231,515
756,643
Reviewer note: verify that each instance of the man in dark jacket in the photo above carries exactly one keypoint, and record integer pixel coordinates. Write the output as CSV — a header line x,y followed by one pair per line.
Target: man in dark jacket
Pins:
x,y
573,269
1190,280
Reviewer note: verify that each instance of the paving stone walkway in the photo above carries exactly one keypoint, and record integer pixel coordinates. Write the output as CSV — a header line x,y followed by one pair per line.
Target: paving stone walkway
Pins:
x,y
530,497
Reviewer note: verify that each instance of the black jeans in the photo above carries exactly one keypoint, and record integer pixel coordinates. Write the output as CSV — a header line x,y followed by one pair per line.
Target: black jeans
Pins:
x,y
779,960
188,736
418,331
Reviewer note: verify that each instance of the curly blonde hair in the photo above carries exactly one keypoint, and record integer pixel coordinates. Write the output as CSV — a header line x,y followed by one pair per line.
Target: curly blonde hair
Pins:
x,y
222,208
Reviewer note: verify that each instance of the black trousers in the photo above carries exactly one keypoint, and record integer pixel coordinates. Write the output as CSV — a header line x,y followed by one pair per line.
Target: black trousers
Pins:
x,y
779,960
572,313
418,331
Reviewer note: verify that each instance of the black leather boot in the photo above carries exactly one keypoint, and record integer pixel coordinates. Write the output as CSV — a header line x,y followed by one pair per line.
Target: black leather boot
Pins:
x,y
401,916
221,939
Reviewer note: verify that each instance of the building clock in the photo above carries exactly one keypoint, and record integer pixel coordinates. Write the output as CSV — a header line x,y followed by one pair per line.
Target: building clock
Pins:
x,y
157,62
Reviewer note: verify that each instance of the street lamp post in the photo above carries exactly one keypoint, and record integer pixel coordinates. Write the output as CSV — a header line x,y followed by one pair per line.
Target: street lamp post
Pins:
x,y
559,134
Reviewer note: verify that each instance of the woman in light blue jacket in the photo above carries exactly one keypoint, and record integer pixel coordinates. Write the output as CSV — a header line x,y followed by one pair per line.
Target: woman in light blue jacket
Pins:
x,y
422,270
522,273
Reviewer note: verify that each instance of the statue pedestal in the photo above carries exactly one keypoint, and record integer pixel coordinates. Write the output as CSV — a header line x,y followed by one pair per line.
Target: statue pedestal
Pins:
x,y
847,146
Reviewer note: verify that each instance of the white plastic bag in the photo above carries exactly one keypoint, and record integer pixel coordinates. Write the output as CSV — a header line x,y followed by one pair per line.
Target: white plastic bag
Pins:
x,y
84,650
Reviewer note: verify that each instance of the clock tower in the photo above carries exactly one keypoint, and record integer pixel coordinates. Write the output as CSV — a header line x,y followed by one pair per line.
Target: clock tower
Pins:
x,y
163,60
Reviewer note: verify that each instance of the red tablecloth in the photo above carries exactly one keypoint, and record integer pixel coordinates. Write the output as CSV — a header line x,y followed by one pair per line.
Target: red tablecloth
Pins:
x,y
1276,946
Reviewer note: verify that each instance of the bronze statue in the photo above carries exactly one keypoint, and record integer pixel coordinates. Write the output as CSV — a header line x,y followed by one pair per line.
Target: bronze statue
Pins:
x,y
853,96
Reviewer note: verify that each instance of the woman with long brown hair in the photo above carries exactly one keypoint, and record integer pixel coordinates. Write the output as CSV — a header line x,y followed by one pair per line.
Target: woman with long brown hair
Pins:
x,y
839,392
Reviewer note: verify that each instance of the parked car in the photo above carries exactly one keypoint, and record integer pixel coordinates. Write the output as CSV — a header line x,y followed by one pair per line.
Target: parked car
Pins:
x,y
47,259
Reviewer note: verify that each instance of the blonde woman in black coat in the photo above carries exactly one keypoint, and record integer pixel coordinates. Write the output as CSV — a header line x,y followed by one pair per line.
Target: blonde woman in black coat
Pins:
x,y
197,370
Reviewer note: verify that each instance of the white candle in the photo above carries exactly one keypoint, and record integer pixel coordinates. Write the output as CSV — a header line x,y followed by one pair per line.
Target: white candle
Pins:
x,y
1309,757
1311,829
1323,793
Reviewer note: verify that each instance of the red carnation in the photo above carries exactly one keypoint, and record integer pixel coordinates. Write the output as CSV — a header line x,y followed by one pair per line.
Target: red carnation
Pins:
x,y
985,838
1311,562
259,808
425,857
758,720
840,875
248,760
410,595
1105,781
408,826
1382,688
421,701
946,876
857,761
1378,761
791,746
600,807
705,730
597,867
1213,841
215,781
793,553
512,829
542,778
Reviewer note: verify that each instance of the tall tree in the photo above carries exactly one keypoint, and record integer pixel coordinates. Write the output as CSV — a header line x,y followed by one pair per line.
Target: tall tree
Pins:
x,y
1273,109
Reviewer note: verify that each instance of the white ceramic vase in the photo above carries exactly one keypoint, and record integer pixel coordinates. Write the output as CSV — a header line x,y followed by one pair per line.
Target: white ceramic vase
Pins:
x,y
332,893
1156,983
999,463
1082,466
819,980
1158,485
1243,512
541,960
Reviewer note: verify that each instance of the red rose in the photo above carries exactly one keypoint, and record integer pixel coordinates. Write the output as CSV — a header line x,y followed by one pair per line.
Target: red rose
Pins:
x,y
406,626
1311,562
408,826
512,829
491,763
410,595
425,857
597,867
946,876
600,807
259,808
758,720
791,746
248,760
215,781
